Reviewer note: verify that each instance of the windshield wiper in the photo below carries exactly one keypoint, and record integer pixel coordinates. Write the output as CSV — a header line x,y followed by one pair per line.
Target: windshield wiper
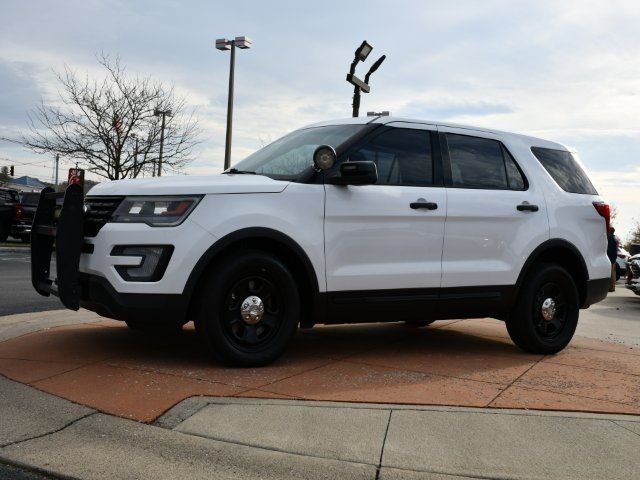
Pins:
x,y
240,172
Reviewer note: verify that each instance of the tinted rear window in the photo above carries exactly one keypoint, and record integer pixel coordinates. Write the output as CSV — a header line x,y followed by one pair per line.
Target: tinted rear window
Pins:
x,y
565,170
482,163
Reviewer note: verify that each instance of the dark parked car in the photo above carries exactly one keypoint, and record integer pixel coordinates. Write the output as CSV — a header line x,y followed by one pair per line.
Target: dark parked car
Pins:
x,y
8,205
25,211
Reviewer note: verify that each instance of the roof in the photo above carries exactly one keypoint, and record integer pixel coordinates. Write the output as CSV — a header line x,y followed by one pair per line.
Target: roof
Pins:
x,y
28,182
386,120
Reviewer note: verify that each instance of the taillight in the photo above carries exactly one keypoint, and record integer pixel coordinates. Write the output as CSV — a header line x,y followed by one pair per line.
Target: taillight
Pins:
x,y
605,212
18,212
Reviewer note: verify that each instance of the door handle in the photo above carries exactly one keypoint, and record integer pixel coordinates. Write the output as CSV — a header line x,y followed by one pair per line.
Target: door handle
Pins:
x,y
527,207
423,204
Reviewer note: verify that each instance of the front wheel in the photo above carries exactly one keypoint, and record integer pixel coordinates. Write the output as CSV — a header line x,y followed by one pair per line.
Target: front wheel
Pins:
x,y
545,316
249,309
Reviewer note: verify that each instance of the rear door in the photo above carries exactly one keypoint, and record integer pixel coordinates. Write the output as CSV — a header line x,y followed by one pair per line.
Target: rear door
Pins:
x,y
495,216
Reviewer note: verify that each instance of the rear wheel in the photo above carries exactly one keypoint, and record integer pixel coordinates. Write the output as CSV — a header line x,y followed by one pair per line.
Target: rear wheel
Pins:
x,y
249,309
545,316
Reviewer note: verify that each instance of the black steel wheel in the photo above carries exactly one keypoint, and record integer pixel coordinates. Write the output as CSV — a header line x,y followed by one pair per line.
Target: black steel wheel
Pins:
x,y
545,315
252,310
249,309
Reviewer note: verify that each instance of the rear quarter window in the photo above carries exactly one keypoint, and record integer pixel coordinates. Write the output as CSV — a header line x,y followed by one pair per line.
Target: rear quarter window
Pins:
x,y
564,169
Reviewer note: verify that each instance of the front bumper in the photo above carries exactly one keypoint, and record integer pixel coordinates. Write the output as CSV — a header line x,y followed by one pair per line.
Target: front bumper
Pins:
x,y
90,269
99,296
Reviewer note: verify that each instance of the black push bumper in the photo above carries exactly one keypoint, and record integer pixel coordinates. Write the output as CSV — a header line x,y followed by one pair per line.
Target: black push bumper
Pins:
x,y
67,237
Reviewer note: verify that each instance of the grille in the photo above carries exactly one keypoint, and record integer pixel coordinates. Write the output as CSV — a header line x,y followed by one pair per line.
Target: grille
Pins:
x,y
98,211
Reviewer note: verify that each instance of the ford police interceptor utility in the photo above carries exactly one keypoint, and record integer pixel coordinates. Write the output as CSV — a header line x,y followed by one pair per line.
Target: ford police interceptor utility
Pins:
x,y
356,220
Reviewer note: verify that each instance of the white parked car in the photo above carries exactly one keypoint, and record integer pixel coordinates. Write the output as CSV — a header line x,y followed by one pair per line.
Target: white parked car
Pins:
x,y
621,262
357,220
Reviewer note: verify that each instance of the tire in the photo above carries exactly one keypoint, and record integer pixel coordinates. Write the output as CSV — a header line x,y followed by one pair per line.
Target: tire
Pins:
x,y
259,336
527,325
618,272
418,323
25,238
4,232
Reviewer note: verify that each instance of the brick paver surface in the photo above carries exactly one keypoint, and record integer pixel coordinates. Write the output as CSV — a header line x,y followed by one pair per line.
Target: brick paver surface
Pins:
x,y
464,363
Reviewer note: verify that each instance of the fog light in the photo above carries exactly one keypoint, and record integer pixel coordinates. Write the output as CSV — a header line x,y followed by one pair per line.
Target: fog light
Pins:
x,y
153,262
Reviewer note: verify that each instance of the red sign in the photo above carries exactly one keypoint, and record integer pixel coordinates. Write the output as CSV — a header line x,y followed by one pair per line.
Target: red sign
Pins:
x,y
76,176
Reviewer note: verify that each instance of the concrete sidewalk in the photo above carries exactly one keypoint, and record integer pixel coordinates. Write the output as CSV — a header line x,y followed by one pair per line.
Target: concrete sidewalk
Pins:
x,y
231,438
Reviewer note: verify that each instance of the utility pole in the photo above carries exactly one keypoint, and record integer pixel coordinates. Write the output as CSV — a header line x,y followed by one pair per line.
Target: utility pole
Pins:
x,y
224,44
135,156
57,163
161,113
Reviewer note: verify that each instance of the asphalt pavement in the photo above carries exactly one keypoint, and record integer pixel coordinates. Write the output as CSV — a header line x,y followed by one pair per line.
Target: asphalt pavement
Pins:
x,y
16,292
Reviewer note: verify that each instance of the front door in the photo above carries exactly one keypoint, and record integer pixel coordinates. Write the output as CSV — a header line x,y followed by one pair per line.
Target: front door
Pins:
x,y
384,241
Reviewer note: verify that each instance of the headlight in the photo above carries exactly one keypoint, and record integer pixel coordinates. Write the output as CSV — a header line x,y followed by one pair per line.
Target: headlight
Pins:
x,y
155,211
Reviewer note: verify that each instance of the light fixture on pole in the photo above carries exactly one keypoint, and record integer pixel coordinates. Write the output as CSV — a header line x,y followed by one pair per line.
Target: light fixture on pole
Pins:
x,y
224,44
361,54
161,113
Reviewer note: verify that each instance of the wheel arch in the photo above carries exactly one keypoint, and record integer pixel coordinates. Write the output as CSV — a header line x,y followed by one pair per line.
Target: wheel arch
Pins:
x,y
565,254
265,239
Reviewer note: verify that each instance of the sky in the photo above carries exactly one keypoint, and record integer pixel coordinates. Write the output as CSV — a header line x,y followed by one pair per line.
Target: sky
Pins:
x,y
566,71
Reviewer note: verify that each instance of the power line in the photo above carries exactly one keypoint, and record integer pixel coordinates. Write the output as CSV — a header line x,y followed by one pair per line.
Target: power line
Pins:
x,y
17,162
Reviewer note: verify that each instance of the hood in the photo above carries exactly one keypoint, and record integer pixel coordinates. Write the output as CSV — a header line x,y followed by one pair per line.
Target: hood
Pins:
x,y
191,185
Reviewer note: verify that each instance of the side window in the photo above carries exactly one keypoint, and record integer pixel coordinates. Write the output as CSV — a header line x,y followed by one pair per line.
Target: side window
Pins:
x,y
403,156
482,163
514,176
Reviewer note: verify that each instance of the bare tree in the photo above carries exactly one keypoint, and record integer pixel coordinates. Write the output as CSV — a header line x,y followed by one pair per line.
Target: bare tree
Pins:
x,y
634,237
98,120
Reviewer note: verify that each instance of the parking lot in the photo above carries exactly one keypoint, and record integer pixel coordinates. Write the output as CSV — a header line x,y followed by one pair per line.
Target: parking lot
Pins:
x,y
17,294
385,394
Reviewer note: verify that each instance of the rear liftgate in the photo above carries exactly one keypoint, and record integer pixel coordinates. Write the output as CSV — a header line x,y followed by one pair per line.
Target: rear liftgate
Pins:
x,y
68,238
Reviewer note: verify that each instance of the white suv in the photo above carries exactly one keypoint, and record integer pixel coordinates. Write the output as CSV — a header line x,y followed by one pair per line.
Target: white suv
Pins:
x,y
357,220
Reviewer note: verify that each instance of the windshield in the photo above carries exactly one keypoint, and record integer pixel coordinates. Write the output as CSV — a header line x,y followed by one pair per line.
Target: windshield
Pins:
x,y
292,154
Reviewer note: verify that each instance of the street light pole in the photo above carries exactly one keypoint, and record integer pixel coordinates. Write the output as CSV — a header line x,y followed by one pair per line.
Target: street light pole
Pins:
x,y
361,55
161,113
227,143
224,44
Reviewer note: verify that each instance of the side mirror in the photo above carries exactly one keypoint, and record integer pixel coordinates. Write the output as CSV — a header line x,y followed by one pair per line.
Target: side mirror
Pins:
x,y
356,173
324,157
